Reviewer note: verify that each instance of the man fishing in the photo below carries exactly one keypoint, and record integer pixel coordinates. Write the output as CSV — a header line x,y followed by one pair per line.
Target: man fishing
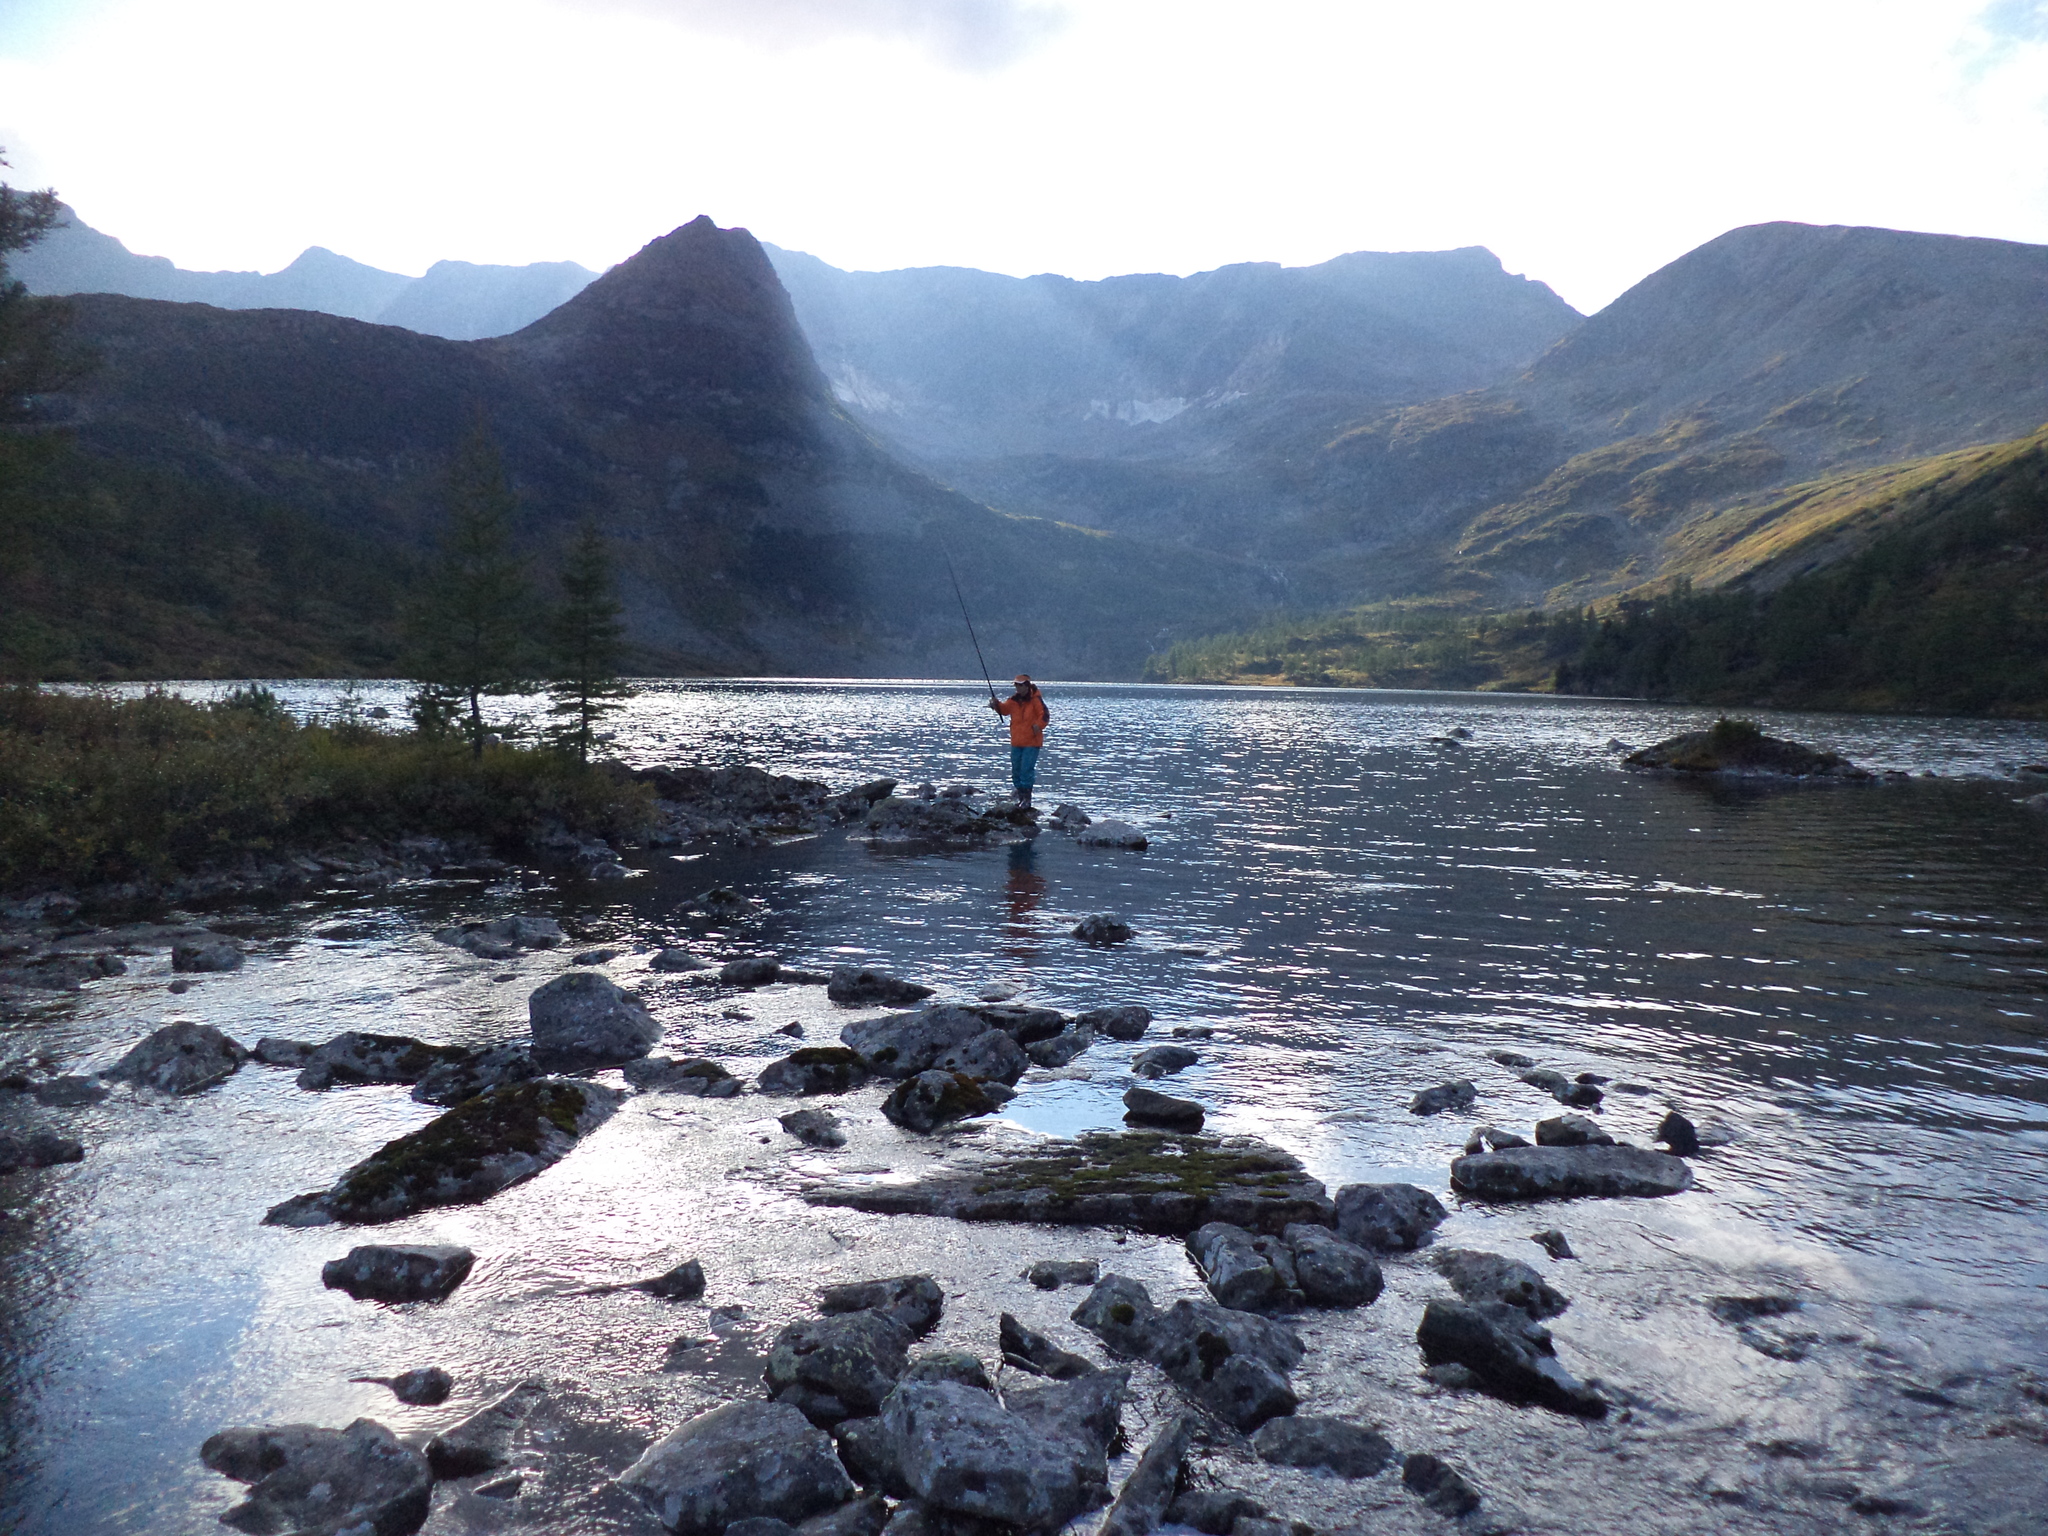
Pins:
x,y
1028,718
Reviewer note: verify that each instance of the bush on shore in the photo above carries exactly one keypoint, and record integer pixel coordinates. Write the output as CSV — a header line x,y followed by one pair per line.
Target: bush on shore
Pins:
x,y
96,788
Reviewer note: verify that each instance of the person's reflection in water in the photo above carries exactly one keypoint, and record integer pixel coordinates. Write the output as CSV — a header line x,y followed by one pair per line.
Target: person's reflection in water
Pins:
x,y
1025,890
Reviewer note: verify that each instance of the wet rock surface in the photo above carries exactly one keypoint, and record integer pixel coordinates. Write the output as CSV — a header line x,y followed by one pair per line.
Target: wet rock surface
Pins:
x,y
852,987
1330,1271
356,1057
839,1367
1125,1021
1102,929
1490,1277
322,1482
1148,1106
582,1019
1439,1485
179,1058
451,1080
1141,1504
399,1272
1028,1350
1246,1270
693,1075
1511,1355
742,1461
1163,1060
208,954
814,1127
466,1155
1570,1131
38,1149
932,1099
814,1069
1566,1173
483,1441
1303,1440
1434,1101
1232,1363
1149,1181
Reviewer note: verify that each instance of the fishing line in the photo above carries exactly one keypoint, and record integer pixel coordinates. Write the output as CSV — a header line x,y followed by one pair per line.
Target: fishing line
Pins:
x,y
970,622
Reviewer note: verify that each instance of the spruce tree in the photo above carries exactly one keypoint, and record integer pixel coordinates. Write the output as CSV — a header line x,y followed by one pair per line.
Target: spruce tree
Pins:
x,y
470,623
587,639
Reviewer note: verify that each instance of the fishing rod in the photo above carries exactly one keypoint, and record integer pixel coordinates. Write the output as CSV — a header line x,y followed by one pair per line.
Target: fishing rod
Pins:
x,y
970,622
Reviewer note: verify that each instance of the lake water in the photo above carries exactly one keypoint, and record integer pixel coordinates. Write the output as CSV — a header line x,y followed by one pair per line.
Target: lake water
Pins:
x,y
1851,981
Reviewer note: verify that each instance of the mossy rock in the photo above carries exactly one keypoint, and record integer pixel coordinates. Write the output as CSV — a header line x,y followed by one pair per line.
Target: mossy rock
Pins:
x,y
1152,1181
479,1147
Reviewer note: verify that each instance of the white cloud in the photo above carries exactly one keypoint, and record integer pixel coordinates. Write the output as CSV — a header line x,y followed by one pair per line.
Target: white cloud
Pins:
x,y
973,34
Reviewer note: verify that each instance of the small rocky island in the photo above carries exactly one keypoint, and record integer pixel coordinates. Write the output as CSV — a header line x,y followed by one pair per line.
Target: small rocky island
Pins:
x,y
1740,749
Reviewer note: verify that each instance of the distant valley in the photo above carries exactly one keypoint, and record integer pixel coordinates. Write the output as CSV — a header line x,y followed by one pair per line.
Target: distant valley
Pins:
x,y
1166,457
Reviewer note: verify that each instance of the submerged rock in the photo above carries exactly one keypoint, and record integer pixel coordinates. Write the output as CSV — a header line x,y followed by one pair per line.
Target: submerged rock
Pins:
x,y
356,1057
1127,1021
1032,1463
1300,1440
483,1442
814,1127
214,953
1386,1218
1029,1350
1740,748
396,1273
683,1282
38,1149
1149,1181
322,1482
1148,1106
932,1099
1439,1485
427,1387
1563,1089
499,1066
814,1069
695,1075
1163,1060
1679,1134
179,1058
1492,1277
1554,1243
466,1155
1061,1048
738,1462
1213,1511
1489,1138
1565,1173
839,1367
1051,1274
853,987
1508,1352
753,971
674,961
1102,930
1111,834
1434,1101
583,1019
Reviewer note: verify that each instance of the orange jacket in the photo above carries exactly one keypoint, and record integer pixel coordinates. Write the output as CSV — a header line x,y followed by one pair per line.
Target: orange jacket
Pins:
x,y
1027,719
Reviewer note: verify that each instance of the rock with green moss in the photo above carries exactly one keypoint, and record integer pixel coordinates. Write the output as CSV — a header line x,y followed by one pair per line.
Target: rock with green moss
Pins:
x,y
468,1154
932,1099
1149,1181
814,1069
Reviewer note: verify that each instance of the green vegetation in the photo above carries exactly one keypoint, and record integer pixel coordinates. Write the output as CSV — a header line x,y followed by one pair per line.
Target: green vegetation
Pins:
x,y
587,640
1388,645
430,1166
33,359
94,788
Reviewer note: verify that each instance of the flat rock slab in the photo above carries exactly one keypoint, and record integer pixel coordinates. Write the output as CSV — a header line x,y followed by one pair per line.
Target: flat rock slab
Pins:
x,y
1150,1181
1566,1173
468,1154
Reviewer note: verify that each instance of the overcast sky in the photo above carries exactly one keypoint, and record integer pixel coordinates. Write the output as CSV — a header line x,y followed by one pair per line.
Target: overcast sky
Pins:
x,y
1586,143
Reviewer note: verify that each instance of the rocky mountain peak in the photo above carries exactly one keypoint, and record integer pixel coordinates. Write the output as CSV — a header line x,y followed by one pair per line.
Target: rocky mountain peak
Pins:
x,y
696,317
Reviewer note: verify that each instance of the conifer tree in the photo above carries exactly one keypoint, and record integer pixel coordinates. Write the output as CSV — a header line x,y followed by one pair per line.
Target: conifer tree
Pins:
x,y
33,360
587,639
470,624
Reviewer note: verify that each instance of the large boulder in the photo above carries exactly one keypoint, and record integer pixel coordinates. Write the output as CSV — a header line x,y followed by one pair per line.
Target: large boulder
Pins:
x,y
1148,1181
932,1099
583,1019
356,1057
466,1155
838,1367
320,1482
814,1069
449,1082
1032,1464
1330,1271
990,1057
1387,1218
1245,1270
1740,749
1482,1277
858,987
905,1044
912,1302
739,1462
1565,1173
398,1272
1508,1351
179,1058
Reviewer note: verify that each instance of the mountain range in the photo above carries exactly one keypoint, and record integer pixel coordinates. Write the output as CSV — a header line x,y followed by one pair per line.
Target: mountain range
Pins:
x,y
790,454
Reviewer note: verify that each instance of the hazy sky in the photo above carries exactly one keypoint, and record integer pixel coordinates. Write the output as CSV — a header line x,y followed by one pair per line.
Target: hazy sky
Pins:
x,y
1586,143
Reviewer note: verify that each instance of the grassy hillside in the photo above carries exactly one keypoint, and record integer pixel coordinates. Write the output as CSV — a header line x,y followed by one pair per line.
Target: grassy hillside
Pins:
x,y
1918,587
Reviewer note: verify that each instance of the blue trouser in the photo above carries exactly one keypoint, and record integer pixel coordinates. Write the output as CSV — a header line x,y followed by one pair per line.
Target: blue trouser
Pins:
x,y
1024,766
